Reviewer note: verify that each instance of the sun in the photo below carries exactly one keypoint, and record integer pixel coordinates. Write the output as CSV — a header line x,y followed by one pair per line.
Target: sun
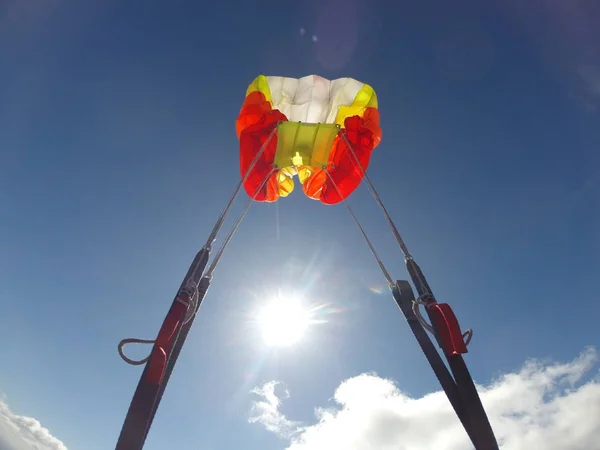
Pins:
x,y
283,321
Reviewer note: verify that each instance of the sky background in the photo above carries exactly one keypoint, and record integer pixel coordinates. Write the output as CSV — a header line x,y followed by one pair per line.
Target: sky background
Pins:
x,y
118,152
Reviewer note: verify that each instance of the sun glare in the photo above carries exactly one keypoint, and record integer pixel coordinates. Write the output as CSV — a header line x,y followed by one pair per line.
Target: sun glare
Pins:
x,y
283,321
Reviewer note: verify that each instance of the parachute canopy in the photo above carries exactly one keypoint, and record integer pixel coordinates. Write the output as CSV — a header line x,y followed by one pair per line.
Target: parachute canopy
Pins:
x,y
320,128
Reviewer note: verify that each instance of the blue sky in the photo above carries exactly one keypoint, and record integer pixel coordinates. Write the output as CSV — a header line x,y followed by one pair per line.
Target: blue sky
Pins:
x,y
118,152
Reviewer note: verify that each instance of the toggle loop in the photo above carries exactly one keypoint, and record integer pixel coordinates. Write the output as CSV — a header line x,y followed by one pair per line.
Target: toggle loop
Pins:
x,y
128,360
469,335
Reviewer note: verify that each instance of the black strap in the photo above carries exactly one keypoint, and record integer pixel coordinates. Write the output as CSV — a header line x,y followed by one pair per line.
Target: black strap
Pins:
x,y
458,386
147,396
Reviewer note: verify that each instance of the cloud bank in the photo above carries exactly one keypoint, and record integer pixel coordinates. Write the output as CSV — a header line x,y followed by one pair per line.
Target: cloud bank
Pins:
x,y
24,433
545,405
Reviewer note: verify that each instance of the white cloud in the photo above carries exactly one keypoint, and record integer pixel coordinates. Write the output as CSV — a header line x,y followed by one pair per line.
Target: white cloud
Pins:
x,y
24,433
545,405
267,413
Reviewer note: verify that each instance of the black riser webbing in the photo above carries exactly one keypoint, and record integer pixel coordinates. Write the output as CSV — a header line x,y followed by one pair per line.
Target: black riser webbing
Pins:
x,y
459,389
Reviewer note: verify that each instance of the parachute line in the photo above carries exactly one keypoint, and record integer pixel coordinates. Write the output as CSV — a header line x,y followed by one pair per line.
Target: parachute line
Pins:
x,y
221,219
371,187
384,270
234,229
